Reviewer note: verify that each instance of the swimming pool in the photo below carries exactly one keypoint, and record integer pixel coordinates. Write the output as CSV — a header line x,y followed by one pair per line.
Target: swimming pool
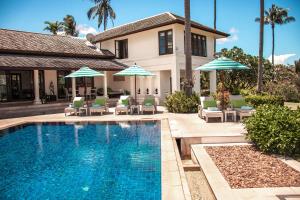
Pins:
x,y
81,161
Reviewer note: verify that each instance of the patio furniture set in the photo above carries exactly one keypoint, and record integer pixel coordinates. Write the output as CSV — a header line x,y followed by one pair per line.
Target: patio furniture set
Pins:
x,y
125,104
239,109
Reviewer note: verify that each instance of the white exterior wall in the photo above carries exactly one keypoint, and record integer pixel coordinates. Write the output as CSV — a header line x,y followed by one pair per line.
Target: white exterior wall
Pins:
x,y
50,75
143,49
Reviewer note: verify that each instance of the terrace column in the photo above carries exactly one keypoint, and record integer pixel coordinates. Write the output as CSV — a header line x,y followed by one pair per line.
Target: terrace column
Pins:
x,y
175,74
132,85
196,87
37,99
150,85
105,84
73,86
213,81
142,85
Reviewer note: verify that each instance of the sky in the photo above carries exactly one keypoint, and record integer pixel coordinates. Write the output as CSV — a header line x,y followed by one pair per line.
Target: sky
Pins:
x,y
233,16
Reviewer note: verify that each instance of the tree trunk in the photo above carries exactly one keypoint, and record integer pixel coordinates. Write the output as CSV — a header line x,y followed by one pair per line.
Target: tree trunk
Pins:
x,y
261,48
188,49
273,43
215,22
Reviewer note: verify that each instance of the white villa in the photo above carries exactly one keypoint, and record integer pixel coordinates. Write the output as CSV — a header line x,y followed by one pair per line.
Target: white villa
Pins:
x,y
33,65
157,44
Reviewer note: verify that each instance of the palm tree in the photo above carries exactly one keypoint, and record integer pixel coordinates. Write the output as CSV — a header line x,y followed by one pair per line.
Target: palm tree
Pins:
x,y
276,15
261,48
215,22
53,27
188,50
70,26
103,11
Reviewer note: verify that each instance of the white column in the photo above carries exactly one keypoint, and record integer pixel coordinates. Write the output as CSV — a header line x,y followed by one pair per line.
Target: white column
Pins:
x,y
37,99
73,86
105,84
213,81
150,83
132,86
175,74
142,85
196,87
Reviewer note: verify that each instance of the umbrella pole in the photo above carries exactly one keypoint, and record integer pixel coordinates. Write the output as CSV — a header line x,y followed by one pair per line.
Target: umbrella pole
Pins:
x,y
135,89
223,90
87,102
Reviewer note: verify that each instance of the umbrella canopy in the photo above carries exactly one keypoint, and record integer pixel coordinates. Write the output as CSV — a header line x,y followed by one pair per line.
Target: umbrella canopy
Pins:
x,y
222,63
134,70
84,72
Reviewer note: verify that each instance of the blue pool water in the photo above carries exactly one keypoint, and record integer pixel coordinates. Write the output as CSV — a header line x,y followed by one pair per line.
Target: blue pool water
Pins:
x,y
89,161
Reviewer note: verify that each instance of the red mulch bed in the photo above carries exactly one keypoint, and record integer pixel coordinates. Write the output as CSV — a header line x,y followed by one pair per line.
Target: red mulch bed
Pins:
x,y
245,167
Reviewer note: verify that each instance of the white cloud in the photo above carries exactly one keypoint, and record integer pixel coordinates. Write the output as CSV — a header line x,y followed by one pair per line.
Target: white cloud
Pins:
x,y
233,36
84,29
281,59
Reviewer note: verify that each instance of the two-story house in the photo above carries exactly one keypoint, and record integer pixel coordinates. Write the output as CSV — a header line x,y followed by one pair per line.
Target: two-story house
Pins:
x,y
156,43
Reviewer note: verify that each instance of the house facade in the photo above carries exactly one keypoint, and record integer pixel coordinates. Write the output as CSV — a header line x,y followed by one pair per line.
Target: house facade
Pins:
x,y
157,44
33,66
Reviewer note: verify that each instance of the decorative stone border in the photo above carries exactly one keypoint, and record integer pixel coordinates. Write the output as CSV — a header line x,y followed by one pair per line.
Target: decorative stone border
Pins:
x,y
221,188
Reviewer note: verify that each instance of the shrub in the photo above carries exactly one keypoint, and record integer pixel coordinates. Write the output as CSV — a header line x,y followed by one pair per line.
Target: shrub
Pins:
x,y
275,129
179,102
257,100
289,92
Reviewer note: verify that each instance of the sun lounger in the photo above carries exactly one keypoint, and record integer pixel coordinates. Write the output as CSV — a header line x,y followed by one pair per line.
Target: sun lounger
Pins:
x,y
74,107
241,108
149,104
99,106
209,109
123,105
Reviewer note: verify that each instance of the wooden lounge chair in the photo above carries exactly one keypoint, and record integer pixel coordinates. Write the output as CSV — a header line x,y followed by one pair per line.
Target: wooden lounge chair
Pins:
x,y
123,105
99,106
241,108
209,109
74,107
148,104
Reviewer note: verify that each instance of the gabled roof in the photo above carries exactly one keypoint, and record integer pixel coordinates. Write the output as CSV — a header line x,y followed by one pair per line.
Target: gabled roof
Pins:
x,y
12,41
150,23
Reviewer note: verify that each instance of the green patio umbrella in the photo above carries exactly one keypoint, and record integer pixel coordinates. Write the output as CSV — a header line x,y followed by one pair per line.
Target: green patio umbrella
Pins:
x,y
222,64
135,71
84,72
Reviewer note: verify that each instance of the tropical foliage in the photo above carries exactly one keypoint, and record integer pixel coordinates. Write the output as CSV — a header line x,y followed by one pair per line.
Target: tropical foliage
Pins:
x,y
103,11
257,100
70,26
53,27
276,15
275,129
236,80
179,102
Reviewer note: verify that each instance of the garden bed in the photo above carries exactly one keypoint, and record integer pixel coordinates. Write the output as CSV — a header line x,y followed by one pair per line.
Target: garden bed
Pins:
x,y
245,167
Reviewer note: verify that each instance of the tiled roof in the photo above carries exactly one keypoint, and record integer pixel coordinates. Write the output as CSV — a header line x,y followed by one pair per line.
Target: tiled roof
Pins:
x,y
12,41
17,61
150,23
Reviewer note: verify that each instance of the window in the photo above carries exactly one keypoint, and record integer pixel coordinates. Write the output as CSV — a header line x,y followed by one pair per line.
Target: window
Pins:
x,y
121,49
165,42
119,78
198,45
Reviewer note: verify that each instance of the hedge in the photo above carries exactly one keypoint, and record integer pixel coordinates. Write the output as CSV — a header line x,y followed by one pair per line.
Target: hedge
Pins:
x,y
275,129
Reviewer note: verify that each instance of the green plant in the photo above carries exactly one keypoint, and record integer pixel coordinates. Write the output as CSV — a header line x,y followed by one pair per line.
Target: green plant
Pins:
x,y
257,100
179,102
275,129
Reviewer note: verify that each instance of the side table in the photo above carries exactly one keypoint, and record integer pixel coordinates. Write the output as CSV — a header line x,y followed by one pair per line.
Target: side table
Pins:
x,y
133,108
229,112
